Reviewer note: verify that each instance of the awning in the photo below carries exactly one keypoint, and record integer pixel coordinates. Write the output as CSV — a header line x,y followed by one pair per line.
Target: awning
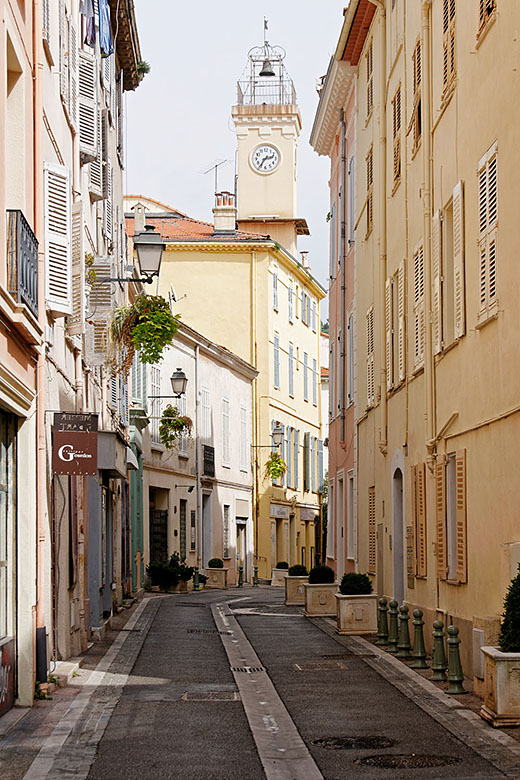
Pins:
x,y
131,460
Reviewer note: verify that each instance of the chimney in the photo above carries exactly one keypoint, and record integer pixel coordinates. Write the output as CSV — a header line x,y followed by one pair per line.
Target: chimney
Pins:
x,y
224,213
305,262
139,217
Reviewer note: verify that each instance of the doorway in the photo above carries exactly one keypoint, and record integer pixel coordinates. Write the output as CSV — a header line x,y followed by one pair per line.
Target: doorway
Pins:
x,y
207,531
340,530
241,546
398,536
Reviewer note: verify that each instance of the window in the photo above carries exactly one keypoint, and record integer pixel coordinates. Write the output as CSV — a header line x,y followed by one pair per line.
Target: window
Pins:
x,y
419,518
419,327
290,302
372,548
68,64
332,267
58,238
416,123
350,363
339,375
320,466
138,382
206,414
351,201
314,382
183,440
288,459
275,290
395,328
244,459
307,444
192,530
488,230
296,436
183,504
448,298
7,522
89,136
332,374
314,316
225,532
226,432
155,389
305,308
305,376
450,502
448,45
351,520
371,390
276,357
291,370
370,79
396,136
330,520
486,12
370,191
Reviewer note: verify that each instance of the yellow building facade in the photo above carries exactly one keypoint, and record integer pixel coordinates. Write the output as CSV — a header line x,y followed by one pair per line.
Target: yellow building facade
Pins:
x,y
436,307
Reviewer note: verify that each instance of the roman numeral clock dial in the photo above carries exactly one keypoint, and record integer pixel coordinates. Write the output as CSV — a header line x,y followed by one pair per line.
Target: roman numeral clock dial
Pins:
x,y
265,158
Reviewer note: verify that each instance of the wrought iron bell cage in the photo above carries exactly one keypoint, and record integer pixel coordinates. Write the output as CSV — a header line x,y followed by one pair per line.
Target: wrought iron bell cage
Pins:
x,y
265,80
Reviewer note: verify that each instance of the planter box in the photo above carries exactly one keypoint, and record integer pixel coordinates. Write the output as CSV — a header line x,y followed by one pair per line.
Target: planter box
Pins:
x,y
294,590
501,687
217,578
356,614
319,599
278,577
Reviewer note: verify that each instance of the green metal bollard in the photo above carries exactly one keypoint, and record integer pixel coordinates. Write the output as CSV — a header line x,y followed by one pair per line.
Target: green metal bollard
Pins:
x,y
382,623
196,578
419,650
255,576
403,647
439,655
455,673
393,636
240,576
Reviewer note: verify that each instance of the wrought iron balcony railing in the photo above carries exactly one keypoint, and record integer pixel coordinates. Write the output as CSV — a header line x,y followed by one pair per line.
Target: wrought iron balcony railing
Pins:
x,y
22,260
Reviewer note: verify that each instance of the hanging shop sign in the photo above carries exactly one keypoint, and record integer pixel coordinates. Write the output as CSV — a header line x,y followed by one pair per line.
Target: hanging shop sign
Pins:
x,y
74,453
73,421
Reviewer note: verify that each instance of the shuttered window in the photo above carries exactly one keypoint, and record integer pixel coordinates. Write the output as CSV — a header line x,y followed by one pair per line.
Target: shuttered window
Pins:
x,y
206,414
488,233
351,200
314,316
183,438
401,321
451,537
419,518
314,461
370,78
275,290
448,44
486,12
225,532
276,358
244,459
289,458
320,467
418,307
372,530
290,303
306,461
350,351
155,389
296,435
88,108
315,382
389,334
305,376
371,390
416,120
226,432
291,370
138,384
58,238
76,321
95,169
332,376
370,190
333,240
396,136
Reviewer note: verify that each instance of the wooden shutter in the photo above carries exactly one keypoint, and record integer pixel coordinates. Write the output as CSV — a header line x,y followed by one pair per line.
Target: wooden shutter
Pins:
x,y
388,334
276,361
99,311
420,525
226,431
120,118
275,291
108,211
306,460
73,76
296,464
314,454
440,511
76,321
64,59
58,258
372,530
460,515
419,322
401,317
95,172
320,466
488,229
291,370
436,284
88,109
113,394
290,302
370,358
458,259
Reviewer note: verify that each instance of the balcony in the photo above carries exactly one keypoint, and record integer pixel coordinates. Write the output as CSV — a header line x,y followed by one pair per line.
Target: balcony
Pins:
x,y
22,261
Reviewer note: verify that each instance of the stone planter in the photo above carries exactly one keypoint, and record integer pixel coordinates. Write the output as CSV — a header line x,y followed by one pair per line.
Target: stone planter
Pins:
x,y
319,599
294,590
501,687
278,577
217,578
356,614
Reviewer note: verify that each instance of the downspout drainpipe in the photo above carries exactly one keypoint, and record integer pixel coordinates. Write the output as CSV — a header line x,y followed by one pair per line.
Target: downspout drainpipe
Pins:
x,y
343,276
200,550
383,432
426,196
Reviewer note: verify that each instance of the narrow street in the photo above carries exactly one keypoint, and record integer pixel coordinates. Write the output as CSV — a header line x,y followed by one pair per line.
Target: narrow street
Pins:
x,y
301,703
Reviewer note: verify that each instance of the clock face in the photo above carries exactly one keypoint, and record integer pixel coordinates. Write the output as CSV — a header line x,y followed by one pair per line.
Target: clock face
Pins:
x,y
265,158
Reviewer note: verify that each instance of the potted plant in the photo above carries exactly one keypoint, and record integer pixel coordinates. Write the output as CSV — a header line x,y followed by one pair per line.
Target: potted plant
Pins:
x,y
356,605
162,576
501,680
320,591
275,466
216,573
279,573
147,325
183,572
294,590
173,424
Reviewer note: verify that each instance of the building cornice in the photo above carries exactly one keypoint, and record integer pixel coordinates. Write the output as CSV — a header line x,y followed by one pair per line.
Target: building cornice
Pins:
x,y
332,99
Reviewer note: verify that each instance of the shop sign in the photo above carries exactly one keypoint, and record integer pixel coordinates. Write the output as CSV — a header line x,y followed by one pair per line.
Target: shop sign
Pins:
x,y
72,421
74,453
279,511
307,515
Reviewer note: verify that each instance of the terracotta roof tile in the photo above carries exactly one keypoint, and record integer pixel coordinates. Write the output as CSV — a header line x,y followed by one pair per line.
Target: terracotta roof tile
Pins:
x,y
185,228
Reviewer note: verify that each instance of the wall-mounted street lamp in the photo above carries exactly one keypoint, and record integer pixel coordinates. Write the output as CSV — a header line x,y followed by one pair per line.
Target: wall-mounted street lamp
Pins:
x,y
190,487
277,435
149,247
179,382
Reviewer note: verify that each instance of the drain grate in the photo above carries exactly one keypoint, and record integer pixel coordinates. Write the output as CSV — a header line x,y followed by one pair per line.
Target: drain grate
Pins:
x,y
355,743
317,666
248,669
338,655
210,696
413,761
207,631
188,604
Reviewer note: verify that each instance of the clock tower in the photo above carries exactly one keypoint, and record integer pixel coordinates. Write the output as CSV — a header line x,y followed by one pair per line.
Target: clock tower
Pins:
x,y
268,123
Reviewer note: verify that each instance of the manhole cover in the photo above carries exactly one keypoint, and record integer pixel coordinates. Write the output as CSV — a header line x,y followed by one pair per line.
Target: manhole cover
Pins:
x,y
210,696
355,743
207,631
317,666
412,761
248,669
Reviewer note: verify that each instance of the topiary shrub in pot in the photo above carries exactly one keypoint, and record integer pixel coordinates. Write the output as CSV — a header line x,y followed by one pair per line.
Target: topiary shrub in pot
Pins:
x,y
501,680
320,591
162,575
294,590
183,571
279,573
354,584
356,605
216,573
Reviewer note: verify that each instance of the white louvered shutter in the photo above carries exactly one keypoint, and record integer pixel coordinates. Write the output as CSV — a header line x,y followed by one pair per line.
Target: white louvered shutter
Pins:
x,y
401,320
58,228
119,121
64,59
226,432
458,260
109,205
276,356
436,284
88,110
419,322
73,76
95,172
388,333
290,303
46,21
99,311
76,321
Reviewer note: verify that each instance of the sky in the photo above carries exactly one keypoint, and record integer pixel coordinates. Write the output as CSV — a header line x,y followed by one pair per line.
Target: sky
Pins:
x,y
179,123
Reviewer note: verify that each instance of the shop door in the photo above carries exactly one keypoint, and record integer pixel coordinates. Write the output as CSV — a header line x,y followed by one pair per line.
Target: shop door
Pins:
x,y
241,547
158,535
7,561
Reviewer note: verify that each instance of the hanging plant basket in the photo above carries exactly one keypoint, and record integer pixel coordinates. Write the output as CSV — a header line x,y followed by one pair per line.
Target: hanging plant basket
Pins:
x,y
275,466
147,326
172,426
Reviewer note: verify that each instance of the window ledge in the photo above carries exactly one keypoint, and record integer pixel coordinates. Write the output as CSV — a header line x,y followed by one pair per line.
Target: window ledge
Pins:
x,y
485,28
157,446
183,455
489,317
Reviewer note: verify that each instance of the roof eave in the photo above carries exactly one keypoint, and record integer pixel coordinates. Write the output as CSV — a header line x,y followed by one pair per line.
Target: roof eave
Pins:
x,y
122,15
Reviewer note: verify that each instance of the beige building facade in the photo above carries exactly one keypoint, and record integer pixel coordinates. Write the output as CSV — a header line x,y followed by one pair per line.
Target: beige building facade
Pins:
x,y
434,292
